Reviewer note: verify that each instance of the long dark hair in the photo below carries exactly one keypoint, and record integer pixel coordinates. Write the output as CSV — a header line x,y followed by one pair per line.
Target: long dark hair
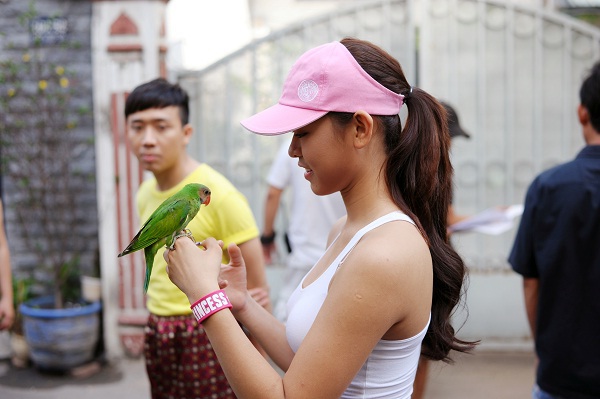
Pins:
x,y
419,177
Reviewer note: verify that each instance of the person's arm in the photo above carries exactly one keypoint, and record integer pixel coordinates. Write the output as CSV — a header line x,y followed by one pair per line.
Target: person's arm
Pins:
x,y
7,310
257,283
255,269
531,293
268,235
268,333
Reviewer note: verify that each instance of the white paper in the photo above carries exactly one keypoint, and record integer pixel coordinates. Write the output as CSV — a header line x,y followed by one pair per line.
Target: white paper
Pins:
x,y
493,221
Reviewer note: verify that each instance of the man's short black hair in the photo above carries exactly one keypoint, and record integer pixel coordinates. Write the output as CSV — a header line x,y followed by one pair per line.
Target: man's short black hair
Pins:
x,y
589,95
158,93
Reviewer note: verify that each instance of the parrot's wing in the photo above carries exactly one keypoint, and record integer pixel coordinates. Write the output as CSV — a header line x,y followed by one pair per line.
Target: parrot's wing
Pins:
x,y
168,218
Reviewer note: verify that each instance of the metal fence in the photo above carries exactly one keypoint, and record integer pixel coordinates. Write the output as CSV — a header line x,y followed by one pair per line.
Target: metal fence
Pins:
x,y
513,72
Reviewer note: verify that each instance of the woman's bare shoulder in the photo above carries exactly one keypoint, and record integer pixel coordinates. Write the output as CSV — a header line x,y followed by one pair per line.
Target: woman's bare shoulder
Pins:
x,y
393,255
397,242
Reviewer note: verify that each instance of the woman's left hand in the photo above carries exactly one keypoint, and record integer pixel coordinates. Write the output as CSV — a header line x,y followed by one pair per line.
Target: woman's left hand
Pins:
x,y
195,270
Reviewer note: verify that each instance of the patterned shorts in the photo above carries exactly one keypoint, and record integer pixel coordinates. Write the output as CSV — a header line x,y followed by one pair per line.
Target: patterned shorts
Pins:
x,y
180,361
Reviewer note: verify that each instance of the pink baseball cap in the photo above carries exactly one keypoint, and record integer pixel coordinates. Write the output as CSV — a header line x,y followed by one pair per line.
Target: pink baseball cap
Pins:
x,y
326,78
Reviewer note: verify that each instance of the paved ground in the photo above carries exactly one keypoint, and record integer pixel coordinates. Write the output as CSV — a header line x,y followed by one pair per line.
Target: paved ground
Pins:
x,y
489,375
485,375
125,378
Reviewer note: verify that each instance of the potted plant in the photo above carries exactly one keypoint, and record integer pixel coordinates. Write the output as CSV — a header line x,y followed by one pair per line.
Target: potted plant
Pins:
x,y
21,294
42,111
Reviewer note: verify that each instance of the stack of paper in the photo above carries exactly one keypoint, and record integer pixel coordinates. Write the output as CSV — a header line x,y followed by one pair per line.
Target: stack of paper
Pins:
x,y
494,221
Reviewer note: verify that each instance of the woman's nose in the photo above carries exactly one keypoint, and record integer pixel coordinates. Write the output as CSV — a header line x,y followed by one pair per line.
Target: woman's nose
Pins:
x,y
294,150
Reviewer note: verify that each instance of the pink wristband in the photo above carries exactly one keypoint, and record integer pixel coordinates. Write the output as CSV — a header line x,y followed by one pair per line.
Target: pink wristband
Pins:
x,y
210,304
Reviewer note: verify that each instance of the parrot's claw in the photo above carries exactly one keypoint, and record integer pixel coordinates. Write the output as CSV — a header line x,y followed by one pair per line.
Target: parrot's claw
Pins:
x,y
183,233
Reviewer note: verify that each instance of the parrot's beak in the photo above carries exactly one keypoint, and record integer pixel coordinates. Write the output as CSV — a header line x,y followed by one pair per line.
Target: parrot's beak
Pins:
x,y
207,200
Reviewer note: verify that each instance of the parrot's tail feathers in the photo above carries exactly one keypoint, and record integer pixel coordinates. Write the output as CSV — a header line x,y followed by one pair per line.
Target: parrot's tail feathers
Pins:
x,y
149,253
127,251
147,277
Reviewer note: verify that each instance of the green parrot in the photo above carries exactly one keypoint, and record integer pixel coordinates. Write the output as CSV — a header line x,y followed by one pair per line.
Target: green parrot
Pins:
x,y
167,223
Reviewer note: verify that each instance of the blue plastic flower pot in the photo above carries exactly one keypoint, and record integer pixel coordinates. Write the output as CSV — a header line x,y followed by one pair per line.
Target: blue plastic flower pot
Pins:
x,y
60,339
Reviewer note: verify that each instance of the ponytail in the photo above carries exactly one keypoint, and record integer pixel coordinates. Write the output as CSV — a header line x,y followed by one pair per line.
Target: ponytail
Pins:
x,y
419,177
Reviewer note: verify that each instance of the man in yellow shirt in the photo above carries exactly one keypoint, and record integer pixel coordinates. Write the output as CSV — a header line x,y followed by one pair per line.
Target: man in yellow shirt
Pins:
x,y
179,359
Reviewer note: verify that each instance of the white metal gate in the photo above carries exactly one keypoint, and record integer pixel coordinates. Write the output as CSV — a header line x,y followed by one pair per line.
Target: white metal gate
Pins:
x,y
513,73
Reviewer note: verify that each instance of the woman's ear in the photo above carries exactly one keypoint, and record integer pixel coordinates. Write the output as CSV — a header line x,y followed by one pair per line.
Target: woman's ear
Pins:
x,y
363,125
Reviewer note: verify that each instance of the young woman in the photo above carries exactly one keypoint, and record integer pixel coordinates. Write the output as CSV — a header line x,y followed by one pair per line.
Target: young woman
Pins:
x,y
385,288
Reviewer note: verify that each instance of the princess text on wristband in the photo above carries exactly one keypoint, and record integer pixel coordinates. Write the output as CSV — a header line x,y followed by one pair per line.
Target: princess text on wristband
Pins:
x,y
210,304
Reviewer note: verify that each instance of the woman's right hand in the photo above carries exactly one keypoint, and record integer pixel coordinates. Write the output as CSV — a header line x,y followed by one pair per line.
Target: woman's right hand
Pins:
x,y
195,271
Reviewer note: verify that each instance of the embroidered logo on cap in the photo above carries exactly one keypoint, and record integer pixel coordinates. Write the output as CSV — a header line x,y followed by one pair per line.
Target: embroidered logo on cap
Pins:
x,y
308,90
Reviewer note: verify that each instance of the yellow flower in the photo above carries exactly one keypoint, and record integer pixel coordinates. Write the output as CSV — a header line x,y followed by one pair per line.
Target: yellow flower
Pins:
x,y
11,92
64,82
59,70
42,84
26,57
70,125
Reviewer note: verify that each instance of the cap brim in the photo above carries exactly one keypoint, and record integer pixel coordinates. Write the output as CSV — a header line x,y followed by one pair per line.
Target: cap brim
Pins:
x,y
280,119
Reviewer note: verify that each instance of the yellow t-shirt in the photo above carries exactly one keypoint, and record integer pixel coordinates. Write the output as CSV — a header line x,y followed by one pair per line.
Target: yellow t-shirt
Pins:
x,y
228,217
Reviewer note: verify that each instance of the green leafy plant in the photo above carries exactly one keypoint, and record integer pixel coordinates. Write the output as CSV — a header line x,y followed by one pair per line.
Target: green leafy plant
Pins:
x,y
43,150
21,293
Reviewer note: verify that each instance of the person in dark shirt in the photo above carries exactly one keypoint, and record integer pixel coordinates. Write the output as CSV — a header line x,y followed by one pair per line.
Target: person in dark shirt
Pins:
x,y
557,251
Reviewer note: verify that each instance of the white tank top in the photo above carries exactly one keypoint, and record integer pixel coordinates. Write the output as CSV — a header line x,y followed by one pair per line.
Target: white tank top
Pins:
x,y
390,369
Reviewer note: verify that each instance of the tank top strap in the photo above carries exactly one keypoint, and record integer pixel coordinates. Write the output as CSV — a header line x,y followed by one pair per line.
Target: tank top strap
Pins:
x,y
390,217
